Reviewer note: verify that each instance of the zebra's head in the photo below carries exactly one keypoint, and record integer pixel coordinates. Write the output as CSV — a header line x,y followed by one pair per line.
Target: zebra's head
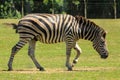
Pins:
x,y
88,30
99,45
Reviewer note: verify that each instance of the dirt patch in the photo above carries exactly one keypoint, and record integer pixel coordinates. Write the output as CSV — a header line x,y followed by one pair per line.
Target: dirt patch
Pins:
x,y
60,70
94,68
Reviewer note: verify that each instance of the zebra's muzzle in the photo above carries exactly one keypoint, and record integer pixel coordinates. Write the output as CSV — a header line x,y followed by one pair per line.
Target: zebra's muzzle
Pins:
x,y
104,56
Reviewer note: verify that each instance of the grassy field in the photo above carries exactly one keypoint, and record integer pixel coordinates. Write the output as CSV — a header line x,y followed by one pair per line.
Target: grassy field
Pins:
x,y
52,57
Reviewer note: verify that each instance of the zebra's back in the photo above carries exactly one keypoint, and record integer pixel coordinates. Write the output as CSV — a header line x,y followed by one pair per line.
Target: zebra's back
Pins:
x,y
46,28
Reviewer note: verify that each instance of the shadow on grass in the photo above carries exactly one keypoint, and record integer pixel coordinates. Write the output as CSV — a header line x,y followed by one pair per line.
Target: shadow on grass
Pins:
x,y
61,70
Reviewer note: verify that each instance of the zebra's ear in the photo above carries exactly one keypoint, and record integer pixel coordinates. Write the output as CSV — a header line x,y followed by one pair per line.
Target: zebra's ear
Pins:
x,y
104,34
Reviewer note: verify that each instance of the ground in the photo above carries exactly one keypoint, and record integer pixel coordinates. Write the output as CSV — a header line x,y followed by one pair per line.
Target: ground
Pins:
x,y
89,67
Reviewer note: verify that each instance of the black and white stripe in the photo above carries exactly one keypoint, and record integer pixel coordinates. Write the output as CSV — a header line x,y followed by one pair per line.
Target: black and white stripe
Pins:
x,y
53,28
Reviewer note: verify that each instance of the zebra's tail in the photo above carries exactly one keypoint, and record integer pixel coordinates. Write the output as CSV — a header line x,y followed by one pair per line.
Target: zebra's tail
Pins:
x,y
15,26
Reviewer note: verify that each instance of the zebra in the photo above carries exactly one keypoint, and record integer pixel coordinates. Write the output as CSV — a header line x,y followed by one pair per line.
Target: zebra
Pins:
x,y
54,28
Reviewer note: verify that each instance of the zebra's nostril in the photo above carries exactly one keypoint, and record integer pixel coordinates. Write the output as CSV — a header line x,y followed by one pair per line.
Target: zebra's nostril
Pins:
x,y
104,56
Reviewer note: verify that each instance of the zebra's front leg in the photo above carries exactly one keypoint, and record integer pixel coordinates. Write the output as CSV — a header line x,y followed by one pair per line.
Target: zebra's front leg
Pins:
x,y
69,46
79,51
68,54
31,51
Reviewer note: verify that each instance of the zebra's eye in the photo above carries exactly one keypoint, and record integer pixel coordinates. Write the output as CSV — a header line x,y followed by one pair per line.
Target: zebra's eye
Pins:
x,y
102,42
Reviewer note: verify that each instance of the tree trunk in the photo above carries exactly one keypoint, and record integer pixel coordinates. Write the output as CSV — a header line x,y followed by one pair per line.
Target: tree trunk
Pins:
x,y
85,8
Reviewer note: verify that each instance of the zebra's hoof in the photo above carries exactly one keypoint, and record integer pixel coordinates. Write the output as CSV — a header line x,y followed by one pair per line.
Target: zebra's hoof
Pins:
x,y
42,69
10,69
74,61
70,69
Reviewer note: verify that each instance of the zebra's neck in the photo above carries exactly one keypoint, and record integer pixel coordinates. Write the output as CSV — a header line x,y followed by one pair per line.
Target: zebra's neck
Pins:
x,y
87,29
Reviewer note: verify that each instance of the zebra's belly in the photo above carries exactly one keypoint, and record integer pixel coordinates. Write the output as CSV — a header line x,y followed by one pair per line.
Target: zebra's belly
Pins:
x,y
49,40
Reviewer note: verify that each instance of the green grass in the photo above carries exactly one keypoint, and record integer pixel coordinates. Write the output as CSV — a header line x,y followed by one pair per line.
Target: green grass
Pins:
x,y
52,57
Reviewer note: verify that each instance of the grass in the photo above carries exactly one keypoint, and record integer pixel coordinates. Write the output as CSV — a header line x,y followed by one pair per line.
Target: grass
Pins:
x,y
52,57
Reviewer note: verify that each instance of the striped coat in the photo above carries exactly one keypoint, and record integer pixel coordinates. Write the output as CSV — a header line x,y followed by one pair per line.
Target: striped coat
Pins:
x,y
53,28
47,28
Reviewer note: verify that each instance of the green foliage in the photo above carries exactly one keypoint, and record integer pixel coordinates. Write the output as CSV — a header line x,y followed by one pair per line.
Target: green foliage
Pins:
x,y
54,6
76,2
8,10
94,8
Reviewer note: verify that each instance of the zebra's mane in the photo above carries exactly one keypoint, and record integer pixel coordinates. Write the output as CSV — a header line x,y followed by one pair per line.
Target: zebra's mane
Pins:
x,y
81,19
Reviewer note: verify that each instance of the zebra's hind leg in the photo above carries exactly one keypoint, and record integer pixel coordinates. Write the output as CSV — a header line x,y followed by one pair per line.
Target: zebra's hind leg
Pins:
x,y
15,49
79,51
31,51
